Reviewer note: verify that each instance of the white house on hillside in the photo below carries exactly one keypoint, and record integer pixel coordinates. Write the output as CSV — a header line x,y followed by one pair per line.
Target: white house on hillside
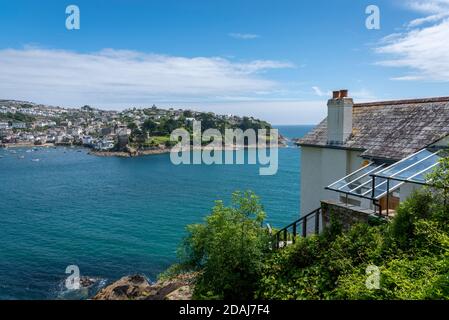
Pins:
x,y
372,155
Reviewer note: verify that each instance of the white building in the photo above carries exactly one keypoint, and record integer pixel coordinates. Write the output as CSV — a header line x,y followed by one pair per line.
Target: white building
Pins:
x,y
383,138
87,140
104,145
45,123
4,125
19,125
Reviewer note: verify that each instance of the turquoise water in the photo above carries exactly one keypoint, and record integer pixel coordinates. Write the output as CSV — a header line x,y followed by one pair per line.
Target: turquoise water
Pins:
x,y
115,216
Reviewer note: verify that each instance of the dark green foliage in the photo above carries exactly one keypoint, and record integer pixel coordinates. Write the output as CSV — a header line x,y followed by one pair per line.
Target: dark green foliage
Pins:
x,y
228,248
149,126
17,117
403,227
440,179
411,253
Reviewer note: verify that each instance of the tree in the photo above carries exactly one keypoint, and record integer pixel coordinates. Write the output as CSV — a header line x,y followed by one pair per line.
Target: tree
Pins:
x,y
87,108
228,249
188,114
169,125
208,121
149,126
132,126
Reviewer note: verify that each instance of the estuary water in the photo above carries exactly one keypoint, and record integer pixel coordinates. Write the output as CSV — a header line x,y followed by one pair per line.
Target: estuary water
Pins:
x,y
116,216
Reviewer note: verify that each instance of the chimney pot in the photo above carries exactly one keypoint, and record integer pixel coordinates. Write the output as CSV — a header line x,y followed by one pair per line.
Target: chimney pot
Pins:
x,y
343,93
336,94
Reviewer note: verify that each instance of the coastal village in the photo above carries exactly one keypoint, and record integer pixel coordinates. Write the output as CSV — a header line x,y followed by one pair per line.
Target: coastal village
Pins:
x,y
147,129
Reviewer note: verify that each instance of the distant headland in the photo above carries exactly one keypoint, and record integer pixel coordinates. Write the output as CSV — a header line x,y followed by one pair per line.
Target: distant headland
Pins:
x,y
128,133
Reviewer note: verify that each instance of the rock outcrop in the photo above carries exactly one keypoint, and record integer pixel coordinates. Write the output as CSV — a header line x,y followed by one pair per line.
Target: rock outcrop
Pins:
x,y
136,287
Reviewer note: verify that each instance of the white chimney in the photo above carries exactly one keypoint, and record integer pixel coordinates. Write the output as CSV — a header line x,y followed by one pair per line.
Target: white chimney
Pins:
x,y
339,118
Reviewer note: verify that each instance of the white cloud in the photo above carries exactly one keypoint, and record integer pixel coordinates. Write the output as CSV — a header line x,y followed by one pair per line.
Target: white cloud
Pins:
x,y
115,77
423,50
430,19
319,92
428,6
244,36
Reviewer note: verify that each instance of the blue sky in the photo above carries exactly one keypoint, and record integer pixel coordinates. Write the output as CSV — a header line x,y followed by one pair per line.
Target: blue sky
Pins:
x,y
276,60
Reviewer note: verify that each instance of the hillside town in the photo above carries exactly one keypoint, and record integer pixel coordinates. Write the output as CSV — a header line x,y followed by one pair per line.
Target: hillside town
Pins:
x,y
29,124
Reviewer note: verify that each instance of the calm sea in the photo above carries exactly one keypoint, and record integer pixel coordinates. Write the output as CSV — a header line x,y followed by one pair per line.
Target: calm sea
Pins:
x,y
114,216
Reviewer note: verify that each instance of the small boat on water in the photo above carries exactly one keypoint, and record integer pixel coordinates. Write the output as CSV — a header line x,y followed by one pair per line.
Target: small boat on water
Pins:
x,y
35,160
21,157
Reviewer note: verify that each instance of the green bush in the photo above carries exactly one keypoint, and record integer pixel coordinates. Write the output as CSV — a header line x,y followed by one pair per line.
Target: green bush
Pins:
x,y
418,206
232,252
229,248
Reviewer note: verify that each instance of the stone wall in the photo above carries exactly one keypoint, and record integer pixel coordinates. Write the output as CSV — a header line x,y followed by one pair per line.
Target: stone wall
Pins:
x,y
347,215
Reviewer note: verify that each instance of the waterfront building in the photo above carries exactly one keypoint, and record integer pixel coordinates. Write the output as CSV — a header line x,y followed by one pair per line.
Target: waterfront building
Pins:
x,y
86,140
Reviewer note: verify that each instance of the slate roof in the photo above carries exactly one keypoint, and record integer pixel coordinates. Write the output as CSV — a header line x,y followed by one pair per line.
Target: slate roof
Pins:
x,y
391,130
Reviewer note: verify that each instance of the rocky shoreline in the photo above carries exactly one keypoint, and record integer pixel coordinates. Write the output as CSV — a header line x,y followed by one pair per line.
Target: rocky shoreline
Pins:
x,y
137,287
130,152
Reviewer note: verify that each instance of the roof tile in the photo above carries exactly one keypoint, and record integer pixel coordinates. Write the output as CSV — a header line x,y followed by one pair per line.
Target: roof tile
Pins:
x,y
391,130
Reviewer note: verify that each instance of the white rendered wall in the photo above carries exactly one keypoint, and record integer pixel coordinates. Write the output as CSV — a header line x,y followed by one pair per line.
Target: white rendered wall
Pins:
x,y
320,167
311,173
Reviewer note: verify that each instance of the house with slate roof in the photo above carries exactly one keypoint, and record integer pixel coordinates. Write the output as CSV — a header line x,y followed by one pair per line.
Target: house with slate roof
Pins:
x,y
372,155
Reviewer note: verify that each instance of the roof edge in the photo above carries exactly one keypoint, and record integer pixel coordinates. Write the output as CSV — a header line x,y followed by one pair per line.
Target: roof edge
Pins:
x,y
399,102
329,146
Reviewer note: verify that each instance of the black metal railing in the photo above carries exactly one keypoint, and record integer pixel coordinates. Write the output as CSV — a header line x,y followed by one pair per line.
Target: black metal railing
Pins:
x,y
300,227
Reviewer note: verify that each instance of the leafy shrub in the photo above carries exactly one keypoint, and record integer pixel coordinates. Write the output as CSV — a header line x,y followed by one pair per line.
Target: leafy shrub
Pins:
x,y
418,206
412,254
229,249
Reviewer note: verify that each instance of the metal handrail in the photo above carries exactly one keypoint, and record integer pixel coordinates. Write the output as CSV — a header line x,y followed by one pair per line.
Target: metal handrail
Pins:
x,y
294,226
